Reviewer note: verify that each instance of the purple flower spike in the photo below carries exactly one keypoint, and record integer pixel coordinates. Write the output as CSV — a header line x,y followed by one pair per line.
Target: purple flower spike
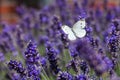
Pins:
x,y
81,77
64,39
84,67
51,54
32,70
72,51
32,60
73,64
64,76
17,66
32,54
113,43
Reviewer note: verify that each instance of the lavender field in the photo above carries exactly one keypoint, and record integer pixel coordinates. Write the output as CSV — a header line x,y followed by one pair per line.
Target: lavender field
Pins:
x,y
37,47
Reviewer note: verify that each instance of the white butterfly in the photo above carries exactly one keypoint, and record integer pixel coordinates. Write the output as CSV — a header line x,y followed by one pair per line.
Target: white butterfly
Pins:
x,y
77,31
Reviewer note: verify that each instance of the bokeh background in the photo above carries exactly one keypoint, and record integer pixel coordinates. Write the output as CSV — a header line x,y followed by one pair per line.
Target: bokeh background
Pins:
x,y
8,7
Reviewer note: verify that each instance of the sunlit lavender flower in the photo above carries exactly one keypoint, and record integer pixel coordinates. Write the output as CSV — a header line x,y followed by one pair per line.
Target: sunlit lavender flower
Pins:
x,y
84,67
64,76
94,42
113,44
113,41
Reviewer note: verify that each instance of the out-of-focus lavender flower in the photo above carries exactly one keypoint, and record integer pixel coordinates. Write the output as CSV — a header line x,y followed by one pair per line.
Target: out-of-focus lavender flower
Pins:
x,y
108,62
15,76
43,61
44,19
84,3
19,37
2,57
61,4
59,47
64,76
18,67
52,57
72,51
56,23
20,10
89,31
73,64
64,39
94,60
109,15
94,42
43,39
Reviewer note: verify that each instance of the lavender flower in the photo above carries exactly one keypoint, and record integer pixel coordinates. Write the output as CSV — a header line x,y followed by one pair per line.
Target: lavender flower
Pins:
x,y
94,60
17,66
81,77
84,67
73,64
44,19
108,62
51,54
64,76
64,39
113,43
72,51
2,57
31,54
33,72
32,60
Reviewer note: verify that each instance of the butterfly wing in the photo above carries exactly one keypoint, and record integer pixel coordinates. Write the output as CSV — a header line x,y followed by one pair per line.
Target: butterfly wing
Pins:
x,y
81,24
78,28
67,30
